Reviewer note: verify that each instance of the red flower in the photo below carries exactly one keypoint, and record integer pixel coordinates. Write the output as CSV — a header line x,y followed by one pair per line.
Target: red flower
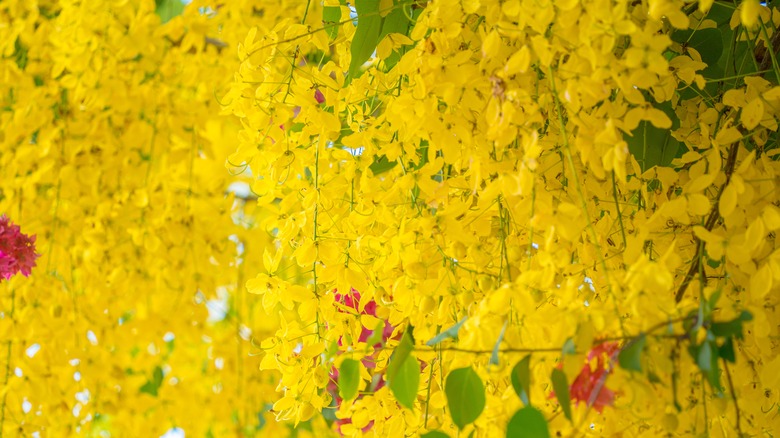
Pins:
x,y
351,300
588,381
590,384
318,96
17,250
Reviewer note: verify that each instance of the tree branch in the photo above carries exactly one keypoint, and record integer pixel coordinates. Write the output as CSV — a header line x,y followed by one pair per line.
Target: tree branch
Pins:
x,y
709,224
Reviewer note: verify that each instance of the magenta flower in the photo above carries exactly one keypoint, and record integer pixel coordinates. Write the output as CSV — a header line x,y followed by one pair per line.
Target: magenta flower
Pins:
x,y
17,250
318,96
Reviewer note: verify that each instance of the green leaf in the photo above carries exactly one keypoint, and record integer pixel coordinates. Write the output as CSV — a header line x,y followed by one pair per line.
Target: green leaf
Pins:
x,y
20,54
349,379
397,21
706,356
630,357
521,379
168,9
652,146
450,333
713,300
720,13
561,388
465,396
731,328
528,422
494,356
366,34
406,382
568,347
376,336
152,386
435,434
382,165
331,16
708,42
726,351
653,377
401,352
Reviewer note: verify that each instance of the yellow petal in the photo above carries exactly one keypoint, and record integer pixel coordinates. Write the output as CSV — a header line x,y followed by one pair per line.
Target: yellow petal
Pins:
x,y
749,10
761,283
728,200
518,62
698,204
752,113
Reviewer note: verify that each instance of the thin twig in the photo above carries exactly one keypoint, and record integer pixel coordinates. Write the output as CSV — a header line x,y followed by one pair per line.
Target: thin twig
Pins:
x,y
507,350
733,396
709,224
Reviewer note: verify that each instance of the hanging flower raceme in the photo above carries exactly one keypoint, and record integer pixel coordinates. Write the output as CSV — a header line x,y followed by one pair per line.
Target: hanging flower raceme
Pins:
x,y
349,303
17,250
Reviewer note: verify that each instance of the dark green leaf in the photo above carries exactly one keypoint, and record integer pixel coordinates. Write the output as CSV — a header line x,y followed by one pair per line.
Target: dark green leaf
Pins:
x,y
366,34
152,385
349,379
561,388
381,165
331,16
726,351
20,54
406,381
435,434
528,422
652,146
731,328
168,9
630,357
706,356
465,396
450,333
708,42
727,329
401,352
720,13
397,21
521,379
653,377
494,355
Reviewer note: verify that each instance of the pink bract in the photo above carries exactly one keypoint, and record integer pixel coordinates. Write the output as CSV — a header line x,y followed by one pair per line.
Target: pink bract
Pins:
x,y
17,250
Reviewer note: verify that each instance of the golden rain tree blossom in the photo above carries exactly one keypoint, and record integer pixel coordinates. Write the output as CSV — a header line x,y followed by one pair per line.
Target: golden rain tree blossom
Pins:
x,y
566,209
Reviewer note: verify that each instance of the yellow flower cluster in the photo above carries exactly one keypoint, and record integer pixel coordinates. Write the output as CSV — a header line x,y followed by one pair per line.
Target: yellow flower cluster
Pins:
x,y
552,174
112,151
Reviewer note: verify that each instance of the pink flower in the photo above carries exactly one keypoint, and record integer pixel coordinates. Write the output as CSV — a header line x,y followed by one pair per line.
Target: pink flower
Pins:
x,y
589,386
351,300
318,96
590,381
17,250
